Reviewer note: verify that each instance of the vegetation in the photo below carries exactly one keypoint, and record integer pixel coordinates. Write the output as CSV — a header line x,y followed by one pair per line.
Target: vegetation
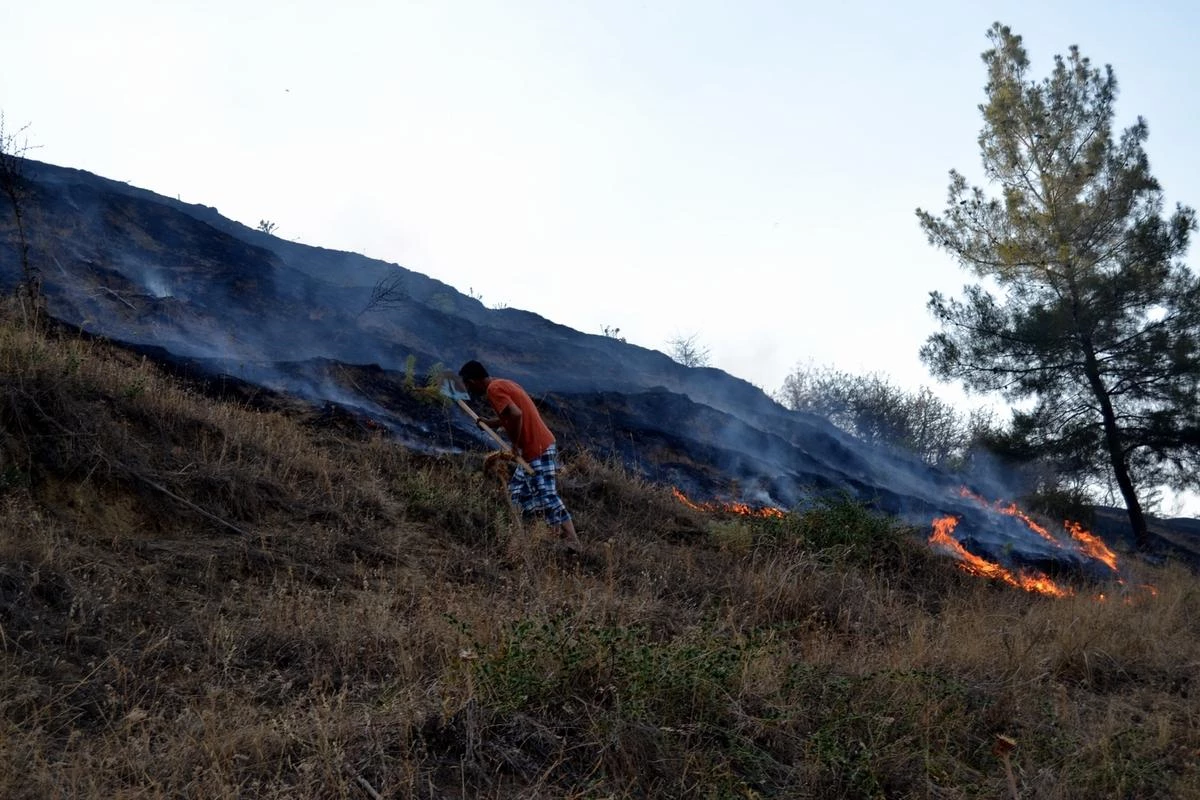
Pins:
x,y
612,332
390,292
13,148
1086,308
206,599
877,411
688,350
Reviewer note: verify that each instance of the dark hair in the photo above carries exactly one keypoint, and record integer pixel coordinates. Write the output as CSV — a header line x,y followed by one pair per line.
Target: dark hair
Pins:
x,y
472,371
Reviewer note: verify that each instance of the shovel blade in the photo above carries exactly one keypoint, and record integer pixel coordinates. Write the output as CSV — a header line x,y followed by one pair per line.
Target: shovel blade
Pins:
x,y
453,389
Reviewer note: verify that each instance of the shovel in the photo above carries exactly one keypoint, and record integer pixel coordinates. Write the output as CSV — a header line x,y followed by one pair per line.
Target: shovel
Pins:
x,y
452,389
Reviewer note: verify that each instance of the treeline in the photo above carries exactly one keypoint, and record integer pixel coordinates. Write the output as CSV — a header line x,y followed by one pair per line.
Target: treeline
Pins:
x,y
873,408
879,412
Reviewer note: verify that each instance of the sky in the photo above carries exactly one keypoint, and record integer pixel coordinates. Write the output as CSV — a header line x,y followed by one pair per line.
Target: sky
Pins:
x,y
744,172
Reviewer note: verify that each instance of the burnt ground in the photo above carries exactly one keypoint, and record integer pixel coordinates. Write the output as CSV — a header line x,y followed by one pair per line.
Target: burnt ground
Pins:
x,y
277,324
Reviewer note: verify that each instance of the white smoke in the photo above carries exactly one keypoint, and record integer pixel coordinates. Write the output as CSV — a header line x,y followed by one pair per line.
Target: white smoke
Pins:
x,y
156,285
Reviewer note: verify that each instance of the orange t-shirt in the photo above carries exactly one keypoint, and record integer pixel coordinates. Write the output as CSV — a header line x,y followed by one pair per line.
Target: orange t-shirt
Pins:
x,y
534,437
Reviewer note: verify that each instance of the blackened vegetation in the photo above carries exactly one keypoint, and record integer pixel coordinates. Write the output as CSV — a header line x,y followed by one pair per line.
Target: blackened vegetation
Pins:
x,y
274,323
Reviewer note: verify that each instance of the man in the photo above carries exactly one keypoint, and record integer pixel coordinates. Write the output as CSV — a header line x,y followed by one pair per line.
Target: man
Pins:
x,y
517,416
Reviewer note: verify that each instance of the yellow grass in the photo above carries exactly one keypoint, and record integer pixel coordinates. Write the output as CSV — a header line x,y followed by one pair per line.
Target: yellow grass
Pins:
x,y
199,599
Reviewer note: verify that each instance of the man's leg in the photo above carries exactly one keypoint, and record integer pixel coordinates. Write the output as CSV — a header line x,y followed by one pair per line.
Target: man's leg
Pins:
x,y
522,491
545,468
570,536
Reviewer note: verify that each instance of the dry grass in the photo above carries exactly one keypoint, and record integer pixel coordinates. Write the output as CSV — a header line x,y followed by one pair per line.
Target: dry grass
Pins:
x,y
199,599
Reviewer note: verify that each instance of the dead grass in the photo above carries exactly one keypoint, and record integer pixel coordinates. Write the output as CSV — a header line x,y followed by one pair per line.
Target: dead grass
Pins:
x,y
201,599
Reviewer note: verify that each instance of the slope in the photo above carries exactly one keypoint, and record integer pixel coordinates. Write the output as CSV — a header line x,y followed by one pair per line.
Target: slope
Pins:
x,y
206,593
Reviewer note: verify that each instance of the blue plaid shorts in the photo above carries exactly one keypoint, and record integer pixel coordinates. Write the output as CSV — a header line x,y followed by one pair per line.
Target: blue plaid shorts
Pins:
x,y
538,493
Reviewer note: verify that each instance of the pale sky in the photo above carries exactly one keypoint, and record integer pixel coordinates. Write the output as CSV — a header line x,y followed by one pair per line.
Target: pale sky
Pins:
x,y
745,171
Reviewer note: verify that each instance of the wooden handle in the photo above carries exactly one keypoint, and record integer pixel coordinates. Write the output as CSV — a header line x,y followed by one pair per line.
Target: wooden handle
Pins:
x,y
524,464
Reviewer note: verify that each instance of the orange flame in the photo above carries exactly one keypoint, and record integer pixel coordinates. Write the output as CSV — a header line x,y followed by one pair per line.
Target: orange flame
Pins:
x,y
1030,581
1086,543
1130,598
1091,545
733,508
1082,541
1013,511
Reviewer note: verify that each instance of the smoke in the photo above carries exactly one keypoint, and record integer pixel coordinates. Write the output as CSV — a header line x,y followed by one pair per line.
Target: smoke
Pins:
x,y
280,317
156,284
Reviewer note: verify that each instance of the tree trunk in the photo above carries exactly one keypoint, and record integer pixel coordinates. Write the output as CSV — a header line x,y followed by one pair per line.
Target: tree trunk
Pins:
x,y
1116,455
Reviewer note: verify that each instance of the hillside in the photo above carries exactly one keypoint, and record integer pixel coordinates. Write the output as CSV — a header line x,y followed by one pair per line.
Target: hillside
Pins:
x,y
211,299
209,589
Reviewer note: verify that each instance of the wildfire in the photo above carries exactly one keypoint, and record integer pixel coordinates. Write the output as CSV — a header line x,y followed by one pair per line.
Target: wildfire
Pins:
x,y
1029,580
1129,597
1013,511
1085,543
733,508
1091,545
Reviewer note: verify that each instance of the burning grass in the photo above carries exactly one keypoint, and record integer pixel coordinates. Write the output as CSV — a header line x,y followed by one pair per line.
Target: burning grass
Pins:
x,y
199,599
1073,541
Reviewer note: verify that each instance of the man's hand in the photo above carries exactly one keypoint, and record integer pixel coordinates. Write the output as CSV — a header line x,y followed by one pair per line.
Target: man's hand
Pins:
x,y
493,423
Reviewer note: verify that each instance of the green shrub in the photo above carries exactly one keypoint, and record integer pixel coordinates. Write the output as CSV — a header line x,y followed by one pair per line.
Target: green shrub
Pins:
x,y
840,528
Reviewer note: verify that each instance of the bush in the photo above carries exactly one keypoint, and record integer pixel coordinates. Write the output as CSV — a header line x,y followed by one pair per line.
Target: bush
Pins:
x,y
840,529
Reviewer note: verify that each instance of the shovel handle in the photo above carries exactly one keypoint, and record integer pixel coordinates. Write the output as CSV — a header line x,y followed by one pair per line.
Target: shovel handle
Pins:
x,y
524,464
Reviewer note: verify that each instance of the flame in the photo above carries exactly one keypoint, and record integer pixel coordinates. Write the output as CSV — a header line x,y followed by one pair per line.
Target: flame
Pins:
x,y
1083,542
1091,545
1013,511
1130,599
1029,580
733,508
942,537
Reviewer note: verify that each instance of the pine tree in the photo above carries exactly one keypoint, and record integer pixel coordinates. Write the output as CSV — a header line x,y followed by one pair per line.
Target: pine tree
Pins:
x,y
1085,306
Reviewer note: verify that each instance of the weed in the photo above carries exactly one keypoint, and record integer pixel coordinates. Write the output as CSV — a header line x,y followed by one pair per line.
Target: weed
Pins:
x,y
547,663
410,368
841,528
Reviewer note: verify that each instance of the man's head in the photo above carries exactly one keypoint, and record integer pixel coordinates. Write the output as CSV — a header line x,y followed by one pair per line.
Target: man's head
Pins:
x,y
474,377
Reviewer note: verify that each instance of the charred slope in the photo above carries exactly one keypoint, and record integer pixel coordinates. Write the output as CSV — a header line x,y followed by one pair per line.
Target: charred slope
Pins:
x,y
134,266
212,296
665,433
140,267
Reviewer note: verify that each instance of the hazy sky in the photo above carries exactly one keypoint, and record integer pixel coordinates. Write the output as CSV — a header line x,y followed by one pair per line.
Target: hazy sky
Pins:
x,y
746,171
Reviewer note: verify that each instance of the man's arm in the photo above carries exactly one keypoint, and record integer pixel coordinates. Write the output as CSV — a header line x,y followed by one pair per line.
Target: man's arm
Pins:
x,y
509,421
510,418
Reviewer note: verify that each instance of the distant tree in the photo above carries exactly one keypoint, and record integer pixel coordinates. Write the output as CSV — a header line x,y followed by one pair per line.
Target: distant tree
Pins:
x,y
688,351
267,226
873,409
13,147
1087,309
